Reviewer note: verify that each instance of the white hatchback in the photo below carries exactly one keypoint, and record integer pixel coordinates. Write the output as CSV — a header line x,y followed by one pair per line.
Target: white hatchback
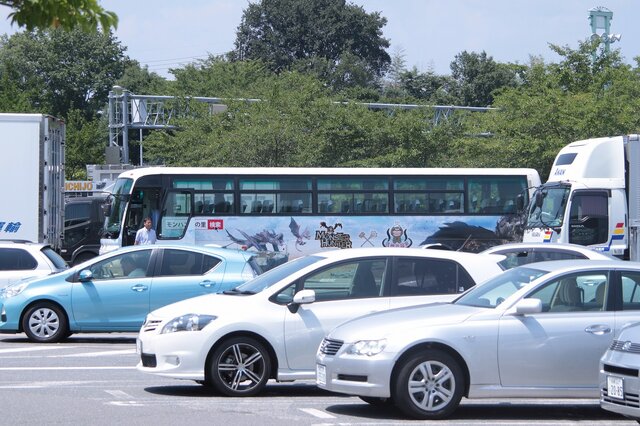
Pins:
x,y
20,260
271,326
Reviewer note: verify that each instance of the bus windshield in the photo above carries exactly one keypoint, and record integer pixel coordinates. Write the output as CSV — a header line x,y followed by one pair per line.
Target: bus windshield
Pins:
x,y
117,202
550,212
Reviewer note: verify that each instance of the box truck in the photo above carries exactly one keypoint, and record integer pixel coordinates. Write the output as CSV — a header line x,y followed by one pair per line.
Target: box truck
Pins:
x,y
592,197
32,193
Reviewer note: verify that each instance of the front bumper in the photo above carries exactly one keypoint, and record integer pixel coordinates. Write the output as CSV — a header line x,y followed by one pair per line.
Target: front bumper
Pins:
x,y
623,365
355,374
180,355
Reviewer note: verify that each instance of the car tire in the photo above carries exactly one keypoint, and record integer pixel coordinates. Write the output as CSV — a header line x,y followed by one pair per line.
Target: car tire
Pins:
x,y
240,366
377,401
45,322
429,386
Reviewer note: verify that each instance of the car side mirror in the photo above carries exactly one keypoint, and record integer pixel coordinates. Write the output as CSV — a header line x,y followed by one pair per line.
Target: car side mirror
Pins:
x,y
304,296
528,306
300,298
85,275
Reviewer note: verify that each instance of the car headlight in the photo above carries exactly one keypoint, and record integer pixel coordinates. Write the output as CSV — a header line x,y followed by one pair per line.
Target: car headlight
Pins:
x,y
367,347
189,322
13,290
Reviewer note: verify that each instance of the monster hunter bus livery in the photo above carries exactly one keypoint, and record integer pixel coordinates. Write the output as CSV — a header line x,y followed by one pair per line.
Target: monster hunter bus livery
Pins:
x,y
283,213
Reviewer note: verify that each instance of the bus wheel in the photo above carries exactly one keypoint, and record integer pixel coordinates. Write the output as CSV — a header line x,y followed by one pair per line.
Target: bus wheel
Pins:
x,y
240,366
45,322
429,385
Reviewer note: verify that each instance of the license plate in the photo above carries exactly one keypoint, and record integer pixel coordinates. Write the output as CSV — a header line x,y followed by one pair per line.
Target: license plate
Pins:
x,y
321,374
139,346
615,387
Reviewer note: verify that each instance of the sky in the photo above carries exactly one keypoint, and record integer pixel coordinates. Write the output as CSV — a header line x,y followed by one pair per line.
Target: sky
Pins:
x,y
427,33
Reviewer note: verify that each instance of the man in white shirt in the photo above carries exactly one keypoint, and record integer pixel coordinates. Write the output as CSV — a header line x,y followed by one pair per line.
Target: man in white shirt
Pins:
x,y
146,235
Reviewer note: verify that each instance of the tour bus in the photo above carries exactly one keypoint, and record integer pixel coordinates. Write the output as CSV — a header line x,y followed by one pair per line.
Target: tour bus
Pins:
x,y
283,213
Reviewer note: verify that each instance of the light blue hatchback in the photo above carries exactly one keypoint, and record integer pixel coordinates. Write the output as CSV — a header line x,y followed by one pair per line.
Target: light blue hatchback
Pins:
x,y
115,291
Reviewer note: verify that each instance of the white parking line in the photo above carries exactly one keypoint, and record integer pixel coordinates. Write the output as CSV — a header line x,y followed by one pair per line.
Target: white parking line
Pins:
x,y
63,368
317,413
90,354
119,394
34,348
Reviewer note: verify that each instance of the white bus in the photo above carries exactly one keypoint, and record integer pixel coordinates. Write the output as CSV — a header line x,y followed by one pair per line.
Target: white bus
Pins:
x,y
283,213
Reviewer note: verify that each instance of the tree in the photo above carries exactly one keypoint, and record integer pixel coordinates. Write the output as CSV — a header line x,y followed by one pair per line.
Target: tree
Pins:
x,y
282,33
477,76
556,104
87,15
62,70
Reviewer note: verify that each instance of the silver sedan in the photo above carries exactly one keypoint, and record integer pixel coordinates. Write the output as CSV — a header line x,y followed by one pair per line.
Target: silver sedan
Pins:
x,y
533,331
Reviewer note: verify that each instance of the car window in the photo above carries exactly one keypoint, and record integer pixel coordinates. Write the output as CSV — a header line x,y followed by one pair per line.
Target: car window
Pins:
x,y
544,255
16,259
177,262
494,291
349,280
630,290
575,292
126,265
76,213
422,276
54,257
514,258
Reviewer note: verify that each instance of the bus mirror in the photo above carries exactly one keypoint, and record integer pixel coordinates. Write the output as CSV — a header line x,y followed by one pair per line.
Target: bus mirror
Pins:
x,y
106,209
539,198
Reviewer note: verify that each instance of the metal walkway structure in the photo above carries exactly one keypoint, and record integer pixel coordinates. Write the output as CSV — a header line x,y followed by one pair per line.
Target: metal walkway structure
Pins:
x,y
128,111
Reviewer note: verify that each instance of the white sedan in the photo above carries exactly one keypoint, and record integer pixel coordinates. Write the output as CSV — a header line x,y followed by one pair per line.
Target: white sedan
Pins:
x,y
271,327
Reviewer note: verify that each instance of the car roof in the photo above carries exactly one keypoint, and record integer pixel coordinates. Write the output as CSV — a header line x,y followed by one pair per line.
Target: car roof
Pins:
x,y
581,264
551,246
23,242
397,251
220,251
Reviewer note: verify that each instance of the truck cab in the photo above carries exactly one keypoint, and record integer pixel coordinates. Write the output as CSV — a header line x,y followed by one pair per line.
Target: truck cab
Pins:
x,y
83,222
585,199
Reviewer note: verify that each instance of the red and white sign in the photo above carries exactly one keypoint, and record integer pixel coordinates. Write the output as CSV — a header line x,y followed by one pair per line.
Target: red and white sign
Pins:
x,y
217,224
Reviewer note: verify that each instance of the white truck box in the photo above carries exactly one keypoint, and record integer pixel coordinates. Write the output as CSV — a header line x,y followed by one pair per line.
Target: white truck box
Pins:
x,y
32,167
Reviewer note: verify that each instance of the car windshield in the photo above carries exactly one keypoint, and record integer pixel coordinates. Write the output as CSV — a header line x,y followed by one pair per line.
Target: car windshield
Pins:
x,y
493,292
274,275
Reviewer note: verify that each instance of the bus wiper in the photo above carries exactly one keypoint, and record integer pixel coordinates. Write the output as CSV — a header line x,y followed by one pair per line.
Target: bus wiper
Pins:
x,y
236,291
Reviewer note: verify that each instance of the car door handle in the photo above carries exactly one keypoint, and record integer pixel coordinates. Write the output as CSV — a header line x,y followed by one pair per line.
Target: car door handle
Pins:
x,y
207,284
139,287
598,329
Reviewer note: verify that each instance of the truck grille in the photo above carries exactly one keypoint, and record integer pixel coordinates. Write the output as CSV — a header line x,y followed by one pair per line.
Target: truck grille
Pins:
x,y
330,347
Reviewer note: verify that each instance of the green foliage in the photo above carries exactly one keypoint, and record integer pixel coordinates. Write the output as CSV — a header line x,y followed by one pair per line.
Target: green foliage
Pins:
x,y
327,37
477,76
86,15
85,144
62,70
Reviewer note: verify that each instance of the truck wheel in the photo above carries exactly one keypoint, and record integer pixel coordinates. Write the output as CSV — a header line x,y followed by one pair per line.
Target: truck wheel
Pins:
x,y
240,366
429,385
45,322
